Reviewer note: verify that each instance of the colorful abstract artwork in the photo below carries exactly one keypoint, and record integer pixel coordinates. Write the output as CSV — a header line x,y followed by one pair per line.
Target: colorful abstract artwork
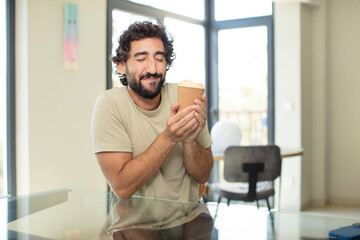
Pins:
x,y
71,36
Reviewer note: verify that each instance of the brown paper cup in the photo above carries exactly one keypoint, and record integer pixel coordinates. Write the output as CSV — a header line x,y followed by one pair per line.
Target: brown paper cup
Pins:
x,y
187,95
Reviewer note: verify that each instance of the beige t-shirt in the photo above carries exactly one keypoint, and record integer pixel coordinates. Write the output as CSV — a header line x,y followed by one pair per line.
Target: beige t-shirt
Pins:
x,y
119,125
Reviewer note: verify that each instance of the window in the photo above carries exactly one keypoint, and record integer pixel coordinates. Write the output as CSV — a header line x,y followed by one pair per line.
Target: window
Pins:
x,y
189,48
243,81
245,67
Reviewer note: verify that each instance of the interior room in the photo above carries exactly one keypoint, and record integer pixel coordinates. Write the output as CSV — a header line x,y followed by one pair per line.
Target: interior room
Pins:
x,y
315,90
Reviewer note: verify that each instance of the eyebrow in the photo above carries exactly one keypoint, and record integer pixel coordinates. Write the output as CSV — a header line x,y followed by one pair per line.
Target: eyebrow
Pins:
x,y
146,53
160,53
140,54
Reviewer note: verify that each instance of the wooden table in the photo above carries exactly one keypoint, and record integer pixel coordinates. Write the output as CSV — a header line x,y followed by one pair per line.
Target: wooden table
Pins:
x,y
291,151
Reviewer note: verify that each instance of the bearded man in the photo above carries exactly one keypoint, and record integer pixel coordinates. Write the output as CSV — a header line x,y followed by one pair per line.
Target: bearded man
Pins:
x,y
143,144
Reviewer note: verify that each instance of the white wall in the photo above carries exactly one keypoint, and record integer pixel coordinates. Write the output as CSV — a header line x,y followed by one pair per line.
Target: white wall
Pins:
x,y
319,154
54,106
316,53
288,92
343,96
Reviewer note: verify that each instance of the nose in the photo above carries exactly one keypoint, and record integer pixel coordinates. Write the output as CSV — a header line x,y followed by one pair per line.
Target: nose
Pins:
x,y
151,66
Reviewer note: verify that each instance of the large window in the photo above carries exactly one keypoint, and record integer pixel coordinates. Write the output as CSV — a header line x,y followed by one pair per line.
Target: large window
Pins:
x,y
190,62
243,81
245,67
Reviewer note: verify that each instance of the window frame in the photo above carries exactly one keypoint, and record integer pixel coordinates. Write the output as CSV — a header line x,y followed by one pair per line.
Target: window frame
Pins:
x,y
268,22
10,99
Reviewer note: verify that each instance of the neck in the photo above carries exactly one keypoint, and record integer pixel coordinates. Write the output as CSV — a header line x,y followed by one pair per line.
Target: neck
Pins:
x,y
144,103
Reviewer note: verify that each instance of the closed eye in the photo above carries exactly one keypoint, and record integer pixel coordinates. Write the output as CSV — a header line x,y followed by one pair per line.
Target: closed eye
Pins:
x,y
160,59
160,56
140,56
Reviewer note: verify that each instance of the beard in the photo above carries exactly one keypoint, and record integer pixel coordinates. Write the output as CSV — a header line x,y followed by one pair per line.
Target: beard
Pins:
x,y
139,88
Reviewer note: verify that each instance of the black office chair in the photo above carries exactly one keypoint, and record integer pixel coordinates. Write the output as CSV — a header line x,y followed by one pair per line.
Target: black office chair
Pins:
x,y
249,172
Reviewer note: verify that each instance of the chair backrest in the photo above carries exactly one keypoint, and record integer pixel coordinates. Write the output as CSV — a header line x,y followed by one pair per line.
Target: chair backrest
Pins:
x,y
236,156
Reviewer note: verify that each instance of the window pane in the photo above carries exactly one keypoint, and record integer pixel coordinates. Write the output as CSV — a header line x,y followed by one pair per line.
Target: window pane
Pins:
x,y
180,7
189,49
121,21
3,181
243,78
234,9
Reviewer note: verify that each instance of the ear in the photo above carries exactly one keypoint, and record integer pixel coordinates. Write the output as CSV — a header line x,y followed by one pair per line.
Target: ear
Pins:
x,y
120,67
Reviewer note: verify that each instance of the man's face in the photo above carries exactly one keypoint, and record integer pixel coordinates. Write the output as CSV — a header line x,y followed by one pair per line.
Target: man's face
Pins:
x,y
146,67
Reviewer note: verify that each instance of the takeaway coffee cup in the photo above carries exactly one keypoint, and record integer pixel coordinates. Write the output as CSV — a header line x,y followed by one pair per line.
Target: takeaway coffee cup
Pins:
x,y
188,91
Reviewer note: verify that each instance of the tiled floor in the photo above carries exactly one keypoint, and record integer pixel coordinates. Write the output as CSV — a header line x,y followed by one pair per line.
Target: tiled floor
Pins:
x,y
329,210
335,211
253,223
240,221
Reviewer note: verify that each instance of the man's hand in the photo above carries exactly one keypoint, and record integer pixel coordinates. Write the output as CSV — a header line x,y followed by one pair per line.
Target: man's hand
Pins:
x,y
200,115
182,124
198,160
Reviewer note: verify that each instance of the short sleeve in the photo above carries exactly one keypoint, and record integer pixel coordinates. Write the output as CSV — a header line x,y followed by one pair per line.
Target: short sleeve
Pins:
x,y
108,130
204,137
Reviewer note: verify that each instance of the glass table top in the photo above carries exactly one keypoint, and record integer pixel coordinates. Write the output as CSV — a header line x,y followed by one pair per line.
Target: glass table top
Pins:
x,y
79,214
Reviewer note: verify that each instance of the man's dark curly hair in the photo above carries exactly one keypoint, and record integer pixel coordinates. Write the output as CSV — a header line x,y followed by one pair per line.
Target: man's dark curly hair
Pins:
x,y
138,31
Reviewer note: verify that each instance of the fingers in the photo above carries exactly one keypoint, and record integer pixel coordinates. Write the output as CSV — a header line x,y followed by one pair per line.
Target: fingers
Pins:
x,y
174,109
190,126
200,107
201,112
200,119
177,116
180,125
187,123
204,99
202,104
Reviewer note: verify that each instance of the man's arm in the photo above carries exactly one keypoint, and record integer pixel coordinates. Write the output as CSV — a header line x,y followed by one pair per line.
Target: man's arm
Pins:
x,y
198,160
126,174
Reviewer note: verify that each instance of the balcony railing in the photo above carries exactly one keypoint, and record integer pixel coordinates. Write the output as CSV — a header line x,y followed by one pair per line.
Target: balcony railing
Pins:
x,y
253,125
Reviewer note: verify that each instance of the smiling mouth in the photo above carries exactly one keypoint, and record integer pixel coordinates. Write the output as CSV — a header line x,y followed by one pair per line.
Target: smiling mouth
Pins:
x,y
150,77
150,81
